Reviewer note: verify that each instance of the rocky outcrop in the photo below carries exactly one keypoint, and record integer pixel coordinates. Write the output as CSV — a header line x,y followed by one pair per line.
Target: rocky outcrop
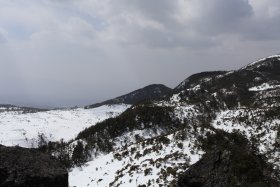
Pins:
x,y
21,167
232,163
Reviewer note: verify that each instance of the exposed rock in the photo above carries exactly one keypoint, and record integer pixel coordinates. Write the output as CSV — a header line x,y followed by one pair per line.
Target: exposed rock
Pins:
x,y
233,163
21,167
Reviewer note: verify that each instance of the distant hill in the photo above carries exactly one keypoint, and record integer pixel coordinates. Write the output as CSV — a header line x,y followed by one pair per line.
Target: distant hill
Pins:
x,y
7,107
147,93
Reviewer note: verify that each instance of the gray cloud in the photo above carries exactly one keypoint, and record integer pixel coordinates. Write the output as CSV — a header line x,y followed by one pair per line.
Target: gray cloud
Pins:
x,y
3,35
80,52
221,16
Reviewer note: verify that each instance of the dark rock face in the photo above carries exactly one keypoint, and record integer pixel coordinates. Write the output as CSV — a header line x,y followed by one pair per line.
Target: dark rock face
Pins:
x,y
153,91
20,167
232,163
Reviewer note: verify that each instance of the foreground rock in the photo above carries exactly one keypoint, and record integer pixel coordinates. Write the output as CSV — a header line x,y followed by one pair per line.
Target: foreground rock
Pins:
x,y
232,162
30,168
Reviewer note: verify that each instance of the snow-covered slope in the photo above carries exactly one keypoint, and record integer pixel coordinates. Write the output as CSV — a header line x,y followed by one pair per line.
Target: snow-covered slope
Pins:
x,y
154,143
149,155
148,162
256,126
19,128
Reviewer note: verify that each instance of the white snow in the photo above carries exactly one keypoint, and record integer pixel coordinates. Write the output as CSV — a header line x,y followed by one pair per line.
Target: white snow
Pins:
x,y
106,169
197,87
175,98
263,87
17,128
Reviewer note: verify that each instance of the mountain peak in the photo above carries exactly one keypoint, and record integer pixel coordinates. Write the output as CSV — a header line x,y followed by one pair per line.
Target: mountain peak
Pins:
x,y
148,92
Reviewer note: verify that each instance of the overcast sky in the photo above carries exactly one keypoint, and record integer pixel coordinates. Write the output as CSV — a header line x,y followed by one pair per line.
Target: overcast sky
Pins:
x,y
77,52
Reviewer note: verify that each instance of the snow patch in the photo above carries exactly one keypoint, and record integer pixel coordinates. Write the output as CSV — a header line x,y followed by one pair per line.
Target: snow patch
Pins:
x,y
263,87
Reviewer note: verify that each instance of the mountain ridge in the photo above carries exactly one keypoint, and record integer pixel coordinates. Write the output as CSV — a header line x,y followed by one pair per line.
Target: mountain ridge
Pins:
x,y
148,92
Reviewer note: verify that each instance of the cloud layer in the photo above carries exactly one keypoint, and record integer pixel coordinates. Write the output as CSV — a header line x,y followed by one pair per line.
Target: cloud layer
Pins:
x,y
68,52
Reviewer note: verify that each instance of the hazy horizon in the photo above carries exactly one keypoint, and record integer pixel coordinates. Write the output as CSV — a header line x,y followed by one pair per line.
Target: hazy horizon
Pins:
x,y
58,53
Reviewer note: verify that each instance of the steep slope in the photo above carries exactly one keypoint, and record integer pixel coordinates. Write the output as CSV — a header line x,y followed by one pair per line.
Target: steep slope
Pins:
x,y
229,161
155,142
147,93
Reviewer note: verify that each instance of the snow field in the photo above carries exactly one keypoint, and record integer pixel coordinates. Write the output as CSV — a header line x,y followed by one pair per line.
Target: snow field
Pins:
x,y
17,128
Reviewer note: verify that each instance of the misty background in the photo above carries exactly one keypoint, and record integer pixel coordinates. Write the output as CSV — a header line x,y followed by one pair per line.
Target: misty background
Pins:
x,y
56,53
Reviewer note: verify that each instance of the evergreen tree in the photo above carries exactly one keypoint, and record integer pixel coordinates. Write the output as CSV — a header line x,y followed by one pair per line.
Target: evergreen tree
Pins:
x,y
79,156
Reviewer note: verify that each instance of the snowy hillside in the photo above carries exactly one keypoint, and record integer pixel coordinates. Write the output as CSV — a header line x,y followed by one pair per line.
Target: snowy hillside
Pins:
x,y
154,143
151,156
19,128
148,162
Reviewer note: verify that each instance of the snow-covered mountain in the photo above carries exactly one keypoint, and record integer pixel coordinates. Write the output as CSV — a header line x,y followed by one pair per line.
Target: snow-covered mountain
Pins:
x,y
154,143
214,129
